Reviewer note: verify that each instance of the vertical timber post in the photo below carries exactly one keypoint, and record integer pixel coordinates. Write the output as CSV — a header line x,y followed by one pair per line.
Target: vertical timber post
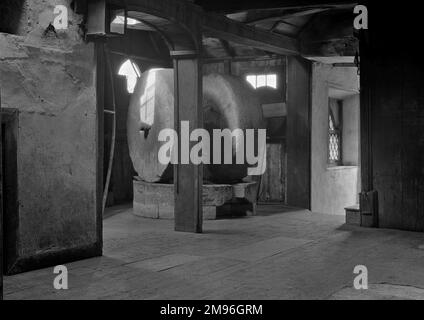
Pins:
x,y
1,207
188,178
298,132
100,74
368,198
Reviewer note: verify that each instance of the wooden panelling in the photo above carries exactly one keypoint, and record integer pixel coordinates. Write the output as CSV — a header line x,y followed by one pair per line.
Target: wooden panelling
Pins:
x,y
392,120
273,182
398,144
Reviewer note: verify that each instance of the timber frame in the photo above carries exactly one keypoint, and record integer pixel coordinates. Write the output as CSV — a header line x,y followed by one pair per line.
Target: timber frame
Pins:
x,y
193,18
181,25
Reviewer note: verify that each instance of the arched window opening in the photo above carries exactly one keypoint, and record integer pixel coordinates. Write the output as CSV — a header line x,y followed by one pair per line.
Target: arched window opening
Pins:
x,y
130,70
121,20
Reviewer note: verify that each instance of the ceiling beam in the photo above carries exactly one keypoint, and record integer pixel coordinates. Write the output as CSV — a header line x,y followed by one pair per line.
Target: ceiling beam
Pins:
x,y
240,58
224,28
183,13
225,6
329,34
282,16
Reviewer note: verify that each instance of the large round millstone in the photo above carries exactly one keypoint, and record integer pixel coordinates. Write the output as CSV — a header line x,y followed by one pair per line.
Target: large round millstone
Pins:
x,y
228,103
151,110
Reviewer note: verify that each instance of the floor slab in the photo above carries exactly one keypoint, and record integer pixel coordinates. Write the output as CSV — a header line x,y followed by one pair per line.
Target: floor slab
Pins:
x,y
279,254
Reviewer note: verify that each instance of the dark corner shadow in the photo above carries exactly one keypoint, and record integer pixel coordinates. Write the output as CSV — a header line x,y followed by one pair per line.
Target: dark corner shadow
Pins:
x,y
268,209
115,210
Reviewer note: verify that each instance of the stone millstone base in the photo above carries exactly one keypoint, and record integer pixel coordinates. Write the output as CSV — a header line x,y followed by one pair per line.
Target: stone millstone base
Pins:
x,y
156,200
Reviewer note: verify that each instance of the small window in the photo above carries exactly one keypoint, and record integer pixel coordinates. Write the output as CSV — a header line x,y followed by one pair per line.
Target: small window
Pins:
x,y
334,132
121,20
262,80
131,71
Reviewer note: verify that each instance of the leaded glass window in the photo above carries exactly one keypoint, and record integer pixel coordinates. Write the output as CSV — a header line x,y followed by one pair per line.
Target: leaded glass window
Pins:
x,y
334,140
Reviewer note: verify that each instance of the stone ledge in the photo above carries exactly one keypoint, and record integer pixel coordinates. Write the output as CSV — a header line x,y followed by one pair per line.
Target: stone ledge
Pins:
x,y
10,49
156,200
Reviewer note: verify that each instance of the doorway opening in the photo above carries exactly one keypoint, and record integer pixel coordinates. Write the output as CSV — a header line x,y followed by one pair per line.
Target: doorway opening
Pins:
x,y
335,169
9,127
130,56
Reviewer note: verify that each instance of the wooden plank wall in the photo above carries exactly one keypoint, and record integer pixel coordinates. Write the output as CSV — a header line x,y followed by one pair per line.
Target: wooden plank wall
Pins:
x,y
273,182
398,144
392,76
120,189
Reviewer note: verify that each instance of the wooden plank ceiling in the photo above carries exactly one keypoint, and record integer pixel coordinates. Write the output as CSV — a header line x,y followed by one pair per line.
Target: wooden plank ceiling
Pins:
x,y
323,27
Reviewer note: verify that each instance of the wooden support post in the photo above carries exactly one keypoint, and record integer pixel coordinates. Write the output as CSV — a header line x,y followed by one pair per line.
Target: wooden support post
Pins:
x,y
100,96
188,178
366,83
1,209
368,198
298,132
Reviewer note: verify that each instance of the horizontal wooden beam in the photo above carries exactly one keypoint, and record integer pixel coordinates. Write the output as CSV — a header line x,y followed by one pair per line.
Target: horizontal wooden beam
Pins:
x,y
224,28
206,60
278,15
143,58
186,15
226,6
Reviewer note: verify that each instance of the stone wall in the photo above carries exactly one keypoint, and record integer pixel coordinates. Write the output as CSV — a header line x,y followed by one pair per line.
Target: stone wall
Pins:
x,y
50,79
